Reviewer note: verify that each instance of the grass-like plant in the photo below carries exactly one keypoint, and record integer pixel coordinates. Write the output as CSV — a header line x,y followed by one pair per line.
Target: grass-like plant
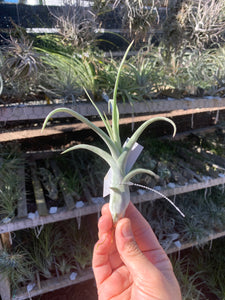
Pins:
x,y
66,75
202,217
78,244
9,195
69,177
10,186
209,263
117,158
15,266
43,249
200,272
190,287
60,79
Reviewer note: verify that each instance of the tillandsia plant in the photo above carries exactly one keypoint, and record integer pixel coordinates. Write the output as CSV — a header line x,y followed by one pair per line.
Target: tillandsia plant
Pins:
x,y
118,156
16,266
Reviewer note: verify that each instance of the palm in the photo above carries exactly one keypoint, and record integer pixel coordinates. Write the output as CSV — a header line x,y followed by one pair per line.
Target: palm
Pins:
x,y
120,277
114,279
124,286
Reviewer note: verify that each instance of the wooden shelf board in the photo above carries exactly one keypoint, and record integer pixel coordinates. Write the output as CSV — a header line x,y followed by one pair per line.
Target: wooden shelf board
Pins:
x,y
149,196
39,111
64,214
53,284
182,135
60,129
203,241
38,191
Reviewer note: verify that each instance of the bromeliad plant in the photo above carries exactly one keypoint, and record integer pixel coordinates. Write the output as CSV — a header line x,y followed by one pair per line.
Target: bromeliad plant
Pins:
x,y
118,156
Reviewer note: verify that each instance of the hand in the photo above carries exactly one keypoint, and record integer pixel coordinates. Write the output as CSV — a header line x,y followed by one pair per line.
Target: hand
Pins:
x,y
128,261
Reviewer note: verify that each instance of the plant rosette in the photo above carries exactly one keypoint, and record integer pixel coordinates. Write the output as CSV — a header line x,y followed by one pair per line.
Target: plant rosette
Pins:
x,y
118,157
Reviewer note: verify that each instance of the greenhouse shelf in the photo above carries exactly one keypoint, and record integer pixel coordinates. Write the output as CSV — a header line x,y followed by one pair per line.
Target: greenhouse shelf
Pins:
x,y
64,281
34,132
52,285
201,242
22,112
65,214
93,206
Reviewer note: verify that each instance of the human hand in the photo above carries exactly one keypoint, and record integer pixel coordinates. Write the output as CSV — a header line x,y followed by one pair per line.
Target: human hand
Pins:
x,y
128,261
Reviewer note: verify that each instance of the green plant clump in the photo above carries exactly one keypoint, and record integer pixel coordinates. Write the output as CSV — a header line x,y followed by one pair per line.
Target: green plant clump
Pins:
x,y
203,216
10,183
16,267
200,272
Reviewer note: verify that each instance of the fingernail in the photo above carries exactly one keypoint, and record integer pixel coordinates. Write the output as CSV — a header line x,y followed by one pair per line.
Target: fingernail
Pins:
x,y
127,231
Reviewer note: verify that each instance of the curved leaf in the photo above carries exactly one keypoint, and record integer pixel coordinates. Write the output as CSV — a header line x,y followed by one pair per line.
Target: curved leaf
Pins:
x,y
103,154
132,173
104,118
123,157
114,151
115,111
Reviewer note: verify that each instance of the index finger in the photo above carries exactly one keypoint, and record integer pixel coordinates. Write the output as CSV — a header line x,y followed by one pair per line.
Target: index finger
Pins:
x,y
142,230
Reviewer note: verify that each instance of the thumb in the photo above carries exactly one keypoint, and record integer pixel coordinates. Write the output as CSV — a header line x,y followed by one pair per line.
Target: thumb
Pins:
x,y
130,253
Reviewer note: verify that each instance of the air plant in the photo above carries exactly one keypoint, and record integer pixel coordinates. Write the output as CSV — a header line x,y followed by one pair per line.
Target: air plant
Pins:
x,y
189,283
133,84
66,75
21,61
49,181
20,68
118,156
69,180
16,266
75,24
10,185
44,249
203,21
138,16
79,246
209,263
